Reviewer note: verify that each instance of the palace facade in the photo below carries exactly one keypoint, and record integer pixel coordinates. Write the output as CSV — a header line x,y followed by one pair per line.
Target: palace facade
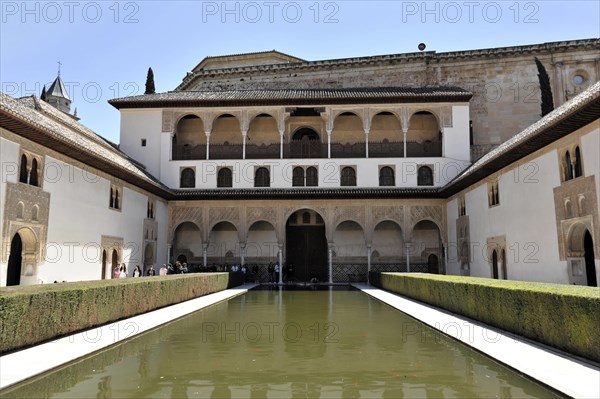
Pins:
x,y
331,168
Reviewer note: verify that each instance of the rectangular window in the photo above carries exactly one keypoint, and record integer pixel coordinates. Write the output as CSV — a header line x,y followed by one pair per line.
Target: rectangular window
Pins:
x,y
143,142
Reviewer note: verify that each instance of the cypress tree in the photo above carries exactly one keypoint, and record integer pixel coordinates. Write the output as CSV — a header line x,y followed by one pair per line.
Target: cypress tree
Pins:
x,y
150,89
43,95
544,79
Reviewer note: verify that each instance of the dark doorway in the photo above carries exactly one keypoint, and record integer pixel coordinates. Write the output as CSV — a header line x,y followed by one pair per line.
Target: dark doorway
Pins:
x,y
590,268
495,264
103,265
15,259
433,265
306,246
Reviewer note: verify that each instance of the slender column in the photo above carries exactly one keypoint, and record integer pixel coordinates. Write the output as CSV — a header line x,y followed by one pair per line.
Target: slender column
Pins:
x,y
280,263
329,143
366,143
330,261
369,250
169,246
404,134
242,254
207,144
281,133
445,255
407,246
204,254
244,136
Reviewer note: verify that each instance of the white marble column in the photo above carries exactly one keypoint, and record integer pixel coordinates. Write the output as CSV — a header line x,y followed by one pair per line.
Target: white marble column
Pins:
x,y
369,251
280,263
207,144
407,247
366,143
244,137
204,254
404,134
281,135
169,246
242,254
329,143
330,261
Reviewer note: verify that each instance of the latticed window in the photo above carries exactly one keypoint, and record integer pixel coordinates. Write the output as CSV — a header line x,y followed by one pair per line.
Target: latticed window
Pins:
x,y
224,178
262,177
312,177
425,176
187,178
298,177
348,177
386,176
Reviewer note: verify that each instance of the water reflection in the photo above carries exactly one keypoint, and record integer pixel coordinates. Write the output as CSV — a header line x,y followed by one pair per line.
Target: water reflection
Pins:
x,y
286,344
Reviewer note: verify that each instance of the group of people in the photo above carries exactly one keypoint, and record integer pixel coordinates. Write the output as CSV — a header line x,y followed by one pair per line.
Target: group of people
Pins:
x,y
121,271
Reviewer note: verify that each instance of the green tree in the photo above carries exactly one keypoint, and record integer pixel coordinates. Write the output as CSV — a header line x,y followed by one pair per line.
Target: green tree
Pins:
x,y
150,89
544,79
43,95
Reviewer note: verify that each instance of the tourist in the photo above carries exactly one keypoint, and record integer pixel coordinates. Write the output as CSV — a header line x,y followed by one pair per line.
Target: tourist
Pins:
x,y
277,270
116,272
137,272
183,269
151,271
271,271
123,271
163,270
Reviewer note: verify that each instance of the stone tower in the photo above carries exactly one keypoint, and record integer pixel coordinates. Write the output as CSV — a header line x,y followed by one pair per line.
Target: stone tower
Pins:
x,y
57,95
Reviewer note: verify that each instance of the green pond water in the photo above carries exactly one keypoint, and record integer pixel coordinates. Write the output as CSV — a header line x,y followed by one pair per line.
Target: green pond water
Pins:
x,y
273,343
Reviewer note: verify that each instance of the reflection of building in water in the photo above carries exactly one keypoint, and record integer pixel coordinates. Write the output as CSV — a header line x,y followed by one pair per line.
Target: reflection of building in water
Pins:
x,y
436,162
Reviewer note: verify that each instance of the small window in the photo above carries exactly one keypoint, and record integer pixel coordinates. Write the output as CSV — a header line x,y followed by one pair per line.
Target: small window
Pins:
x,y
224,178
298,177
143,142
578,170
24,173
187,178
312,177
386,176
114,201
578,80
568,166
348,176
493,194
262,177
150,210
33,174
425,176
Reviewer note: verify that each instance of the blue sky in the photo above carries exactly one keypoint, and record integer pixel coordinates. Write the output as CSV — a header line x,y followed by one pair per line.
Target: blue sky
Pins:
x,y
106,47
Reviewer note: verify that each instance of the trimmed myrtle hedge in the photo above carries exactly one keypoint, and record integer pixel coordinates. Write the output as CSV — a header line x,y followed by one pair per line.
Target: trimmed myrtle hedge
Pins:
x,y
33,314
566,317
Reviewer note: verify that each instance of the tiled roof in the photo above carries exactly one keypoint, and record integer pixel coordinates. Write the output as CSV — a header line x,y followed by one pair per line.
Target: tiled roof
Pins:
x,y
295,96
574,114
42,123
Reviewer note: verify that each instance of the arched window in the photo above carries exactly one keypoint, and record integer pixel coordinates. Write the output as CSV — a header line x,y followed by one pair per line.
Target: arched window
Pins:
x,y
348,176
35,212
117,202
298,177
262,177
578,167
224,178
33,174
24,172
312,177
188,178
425,176
568,167
386,176
111,200
20,210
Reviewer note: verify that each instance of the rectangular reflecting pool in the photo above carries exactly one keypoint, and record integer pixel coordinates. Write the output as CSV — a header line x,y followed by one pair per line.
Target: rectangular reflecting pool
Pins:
x,y
287,343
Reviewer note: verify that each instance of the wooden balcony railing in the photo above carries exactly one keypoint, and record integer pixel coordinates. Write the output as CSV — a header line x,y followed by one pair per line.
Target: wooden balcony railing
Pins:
x,y
308,149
